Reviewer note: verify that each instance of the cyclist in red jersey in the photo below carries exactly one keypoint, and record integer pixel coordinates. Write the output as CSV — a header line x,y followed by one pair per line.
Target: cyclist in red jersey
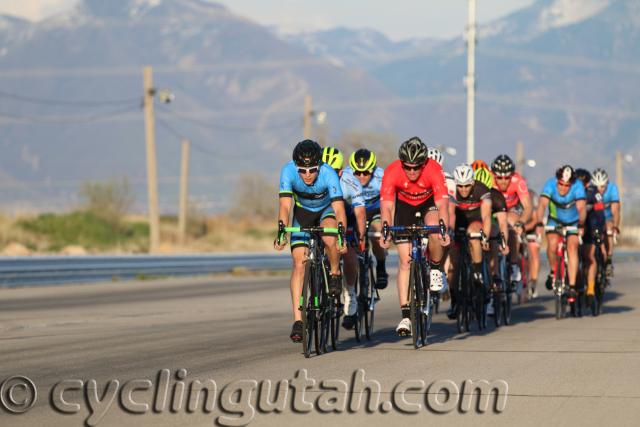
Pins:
x,y
519,208
413,189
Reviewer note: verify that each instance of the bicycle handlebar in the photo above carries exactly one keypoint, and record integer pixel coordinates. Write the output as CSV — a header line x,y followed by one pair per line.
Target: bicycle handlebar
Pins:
x,y
414,229
282,230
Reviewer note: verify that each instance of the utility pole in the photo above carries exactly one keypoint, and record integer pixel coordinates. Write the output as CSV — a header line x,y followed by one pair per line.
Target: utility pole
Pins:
x,y
308,113
470,81
184,193
520,157
152,175
619,177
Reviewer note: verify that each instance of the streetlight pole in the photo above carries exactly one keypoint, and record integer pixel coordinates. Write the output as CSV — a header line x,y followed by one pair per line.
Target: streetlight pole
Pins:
x,y
470,81
152,174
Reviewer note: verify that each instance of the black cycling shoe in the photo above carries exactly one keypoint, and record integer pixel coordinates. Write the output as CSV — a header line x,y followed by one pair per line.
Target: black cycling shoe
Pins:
x,y
296,331
382,278
572,295
335,285
348,322
549,283
451,313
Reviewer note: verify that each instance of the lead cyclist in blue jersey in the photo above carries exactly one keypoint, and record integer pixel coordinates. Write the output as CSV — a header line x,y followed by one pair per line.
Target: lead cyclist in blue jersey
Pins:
x,y
313,190
611,200
564,195
363,165
356,220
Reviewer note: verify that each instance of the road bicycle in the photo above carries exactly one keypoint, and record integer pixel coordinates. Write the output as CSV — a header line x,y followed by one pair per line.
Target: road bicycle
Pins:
x,y
559,272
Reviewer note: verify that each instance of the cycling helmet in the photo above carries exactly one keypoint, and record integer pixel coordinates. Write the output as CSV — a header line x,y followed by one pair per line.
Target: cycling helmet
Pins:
x,y
600,178
583,175
413,151
435,154
566,174
503,165
484,176
362,160
333,157
479,164
307,153
463,174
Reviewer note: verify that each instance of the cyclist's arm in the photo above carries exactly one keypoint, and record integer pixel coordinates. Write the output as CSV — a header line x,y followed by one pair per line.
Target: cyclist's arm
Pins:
x,y
582,211
338,208
527,207
485,213
542,206
284,210
443,209
503,224
386,211
533,220
615,211
360,213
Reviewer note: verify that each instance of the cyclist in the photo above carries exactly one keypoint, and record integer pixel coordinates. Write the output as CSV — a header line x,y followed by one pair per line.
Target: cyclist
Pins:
x,y
471,213
412,185
595,222
516,194
315,189
611,198
565,197
533,233
356,217
363,166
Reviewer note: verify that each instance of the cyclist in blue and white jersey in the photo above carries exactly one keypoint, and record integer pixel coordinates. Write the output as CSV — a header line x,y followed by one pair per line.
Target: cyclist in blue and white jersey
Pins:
x,y
356,218
363,165
564,195
611,199
315,189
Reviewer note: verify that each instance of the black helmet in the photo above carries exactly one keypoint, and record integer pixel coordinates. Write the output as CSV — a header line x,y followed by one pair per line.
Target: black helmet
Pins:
x,y
307,153
583,175
503,165
566,174
413,151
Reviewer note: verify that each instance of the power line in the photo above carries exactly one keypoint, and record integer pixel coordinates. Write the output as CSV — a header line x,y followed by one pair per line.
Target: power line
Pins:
x,y
68,120
57,102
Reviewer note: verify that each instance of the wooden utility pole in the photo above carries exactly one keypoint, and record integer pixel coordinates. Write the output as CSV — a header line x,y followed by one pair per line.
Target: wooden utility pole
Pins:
x,y
619,177
184,192
470,81
308,113
152,174
520,157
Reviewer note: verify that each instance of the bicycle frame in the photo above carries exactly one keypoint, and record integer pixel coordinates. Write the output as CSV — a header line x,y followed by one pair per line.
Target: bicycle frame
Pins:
x,y
559,271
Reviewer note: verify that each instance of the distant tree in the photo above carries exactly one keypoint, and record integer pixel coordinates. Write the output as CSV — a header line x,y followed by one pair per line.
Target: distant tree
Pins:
x,y
110,200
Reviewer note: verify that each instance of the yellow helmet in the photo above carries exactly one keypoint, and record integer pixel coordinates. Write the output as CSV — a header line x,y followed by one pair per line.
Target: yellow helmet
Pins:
x,y
333,157
362,160
484,176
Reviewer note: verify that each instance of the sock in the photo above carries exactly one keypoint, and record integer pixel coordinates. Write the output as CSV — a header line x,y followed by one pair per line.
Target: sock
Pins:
x,y
406,312
591,287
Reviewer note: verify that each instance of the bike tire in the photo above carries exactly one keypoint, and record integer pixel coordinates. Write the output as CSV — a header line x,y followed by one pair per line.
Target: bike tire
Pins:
x,y
413,306
306,306
424,303
506,309
320,310
372,299
497,308
359,323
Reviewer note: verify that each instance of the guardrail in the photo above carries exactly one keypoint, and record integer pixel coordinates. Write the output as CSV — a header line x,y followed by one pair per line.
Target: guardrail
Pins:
x,y
52,270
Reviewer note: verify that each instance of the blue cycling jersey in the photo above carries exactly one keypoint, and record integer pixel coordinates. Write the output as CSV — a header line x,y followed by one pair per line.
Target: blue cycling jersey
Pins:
x,y
371,191
563,208
351,189
611,195
315,197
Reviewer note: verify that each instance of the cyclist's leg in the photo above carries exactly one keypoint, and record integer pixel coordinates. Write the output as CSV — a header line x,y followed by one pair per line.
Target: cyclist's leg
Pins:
x,y
572,252
609,252
299,248
350,272
590,261
436,251
454,254
380,253
552,246
475,250
513,239
328,219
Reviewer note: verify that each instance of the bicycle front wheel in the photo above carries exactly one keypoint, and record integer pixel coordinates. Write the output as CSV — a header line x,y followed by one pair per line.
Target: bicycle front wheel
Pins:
x,y
413,305
308,313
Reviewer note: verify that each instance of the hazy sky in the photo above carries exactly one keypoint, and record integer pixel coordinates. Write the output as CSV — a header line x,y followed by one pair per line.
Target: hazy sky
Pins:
x,y
398,19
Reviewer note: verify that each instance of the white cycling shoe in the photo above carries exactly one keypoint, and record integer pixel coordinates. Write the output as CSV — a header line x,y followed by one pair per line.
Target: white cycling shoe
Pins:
x,y
351,300
404,328
437,282
516,275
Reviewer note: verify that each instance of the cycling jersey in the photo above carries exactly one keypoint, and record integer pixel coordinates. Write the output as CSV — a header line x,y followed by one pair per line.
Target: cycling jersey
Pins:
x,y
468,209
451,186
430,184
351,190
596,219
611,195
516,191
562,209
498,203
371,190
315,197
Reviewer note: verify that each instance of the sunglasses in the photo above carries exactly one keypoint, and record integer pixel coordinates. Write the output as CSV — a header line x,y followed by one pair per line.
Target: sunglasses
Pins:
x,y
303,171
363,173
503,178
464,186
411,168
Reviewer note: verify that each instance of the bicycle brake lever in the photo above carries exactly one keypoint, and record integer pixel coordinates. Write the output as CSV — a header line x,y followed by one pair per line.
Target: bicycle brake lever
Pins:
x,y
385,231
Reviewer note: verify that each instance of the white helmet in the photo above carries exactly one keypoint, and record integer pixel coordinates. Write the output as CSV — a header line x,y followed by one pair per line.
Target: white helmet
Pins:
x,y
463,174
599,178
435,154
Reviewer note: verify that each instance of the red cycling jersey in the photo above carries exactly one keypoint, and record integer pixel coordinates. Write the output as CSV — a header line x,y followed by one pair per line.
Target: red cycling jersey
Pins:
x,y
516,190
430,183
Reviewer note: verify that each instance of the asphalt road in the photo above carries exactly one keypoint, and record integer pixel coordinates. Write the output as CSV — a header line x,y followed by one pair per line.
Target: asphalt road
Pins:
x,y
569,372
